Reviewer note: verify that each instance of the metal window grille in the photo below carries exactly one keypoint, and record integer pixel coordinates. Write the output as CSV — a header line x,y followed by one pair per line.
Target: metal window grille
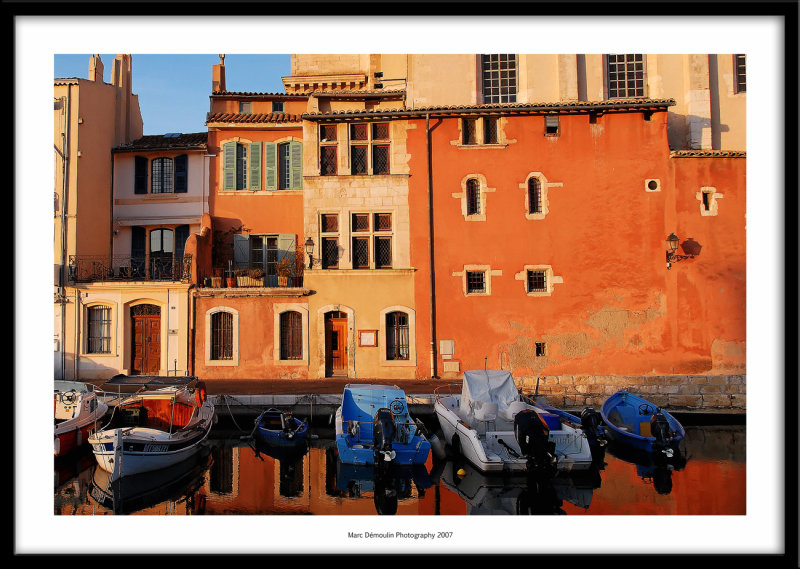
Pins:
x,y
625,75
327,160
383,222
476,282
358,132
534,196
330,253
380,131
327,133
284,167
162,176
551,126
360,222
383,252
329,223
397,336
473,197
222,336
537,281
361,252
740,70
99,330
499,78
358,159
291,324
490,130
468,131
380,159
541,349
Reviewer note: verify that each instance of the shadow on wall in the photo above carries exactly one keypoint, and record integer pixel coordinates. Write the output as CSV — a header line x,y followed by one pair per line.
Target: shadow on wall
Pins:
x,y
691,247
87,370
679,128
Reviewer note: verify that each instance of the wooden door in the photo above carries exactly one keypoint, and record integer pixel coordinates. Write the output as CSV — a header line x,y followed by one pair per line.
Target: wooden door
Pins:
x,y
146,337
335,344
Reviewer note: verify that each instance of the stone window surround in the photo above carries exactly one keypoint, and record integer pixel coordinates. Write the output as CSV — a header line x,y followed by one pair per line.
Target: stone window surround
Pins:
x,y
483,189
713,205
345,235
343,145
488,272
549,277
234,361
502,141
278,309
113,329
247,191
544,185
412,337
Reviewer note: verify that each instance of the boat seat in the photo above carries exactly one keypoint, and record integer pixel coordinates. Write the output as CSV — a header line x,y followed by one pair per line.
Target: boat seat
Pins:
x,y
511,410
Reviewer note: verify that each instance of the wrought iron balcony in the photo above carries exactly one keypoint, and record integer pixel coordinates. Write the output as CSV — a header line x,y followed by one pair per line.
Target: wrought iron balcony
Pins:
x,y
87,268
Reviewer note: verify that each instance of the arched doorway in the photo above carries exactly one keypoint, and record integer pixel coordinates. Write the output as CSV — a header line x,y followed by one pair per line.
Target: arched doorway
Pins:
x,y
335,344
145,339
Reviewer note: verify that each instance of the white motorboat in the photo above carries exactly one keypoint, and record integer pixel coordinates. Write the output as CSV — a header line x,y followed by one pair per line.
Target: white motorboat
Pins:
x,y
155,428
77,413
496,429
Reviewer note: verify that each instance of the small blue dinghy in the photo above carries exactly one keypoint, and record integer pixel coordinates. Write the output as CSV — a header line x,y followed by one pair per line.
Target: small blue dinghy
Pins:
x,y
641,425
373,426
280,428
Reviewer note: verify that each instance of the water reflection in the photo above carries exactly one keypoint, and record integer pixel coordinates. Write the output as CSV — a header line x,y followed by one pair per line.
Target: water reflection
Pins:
x,y
653,468
238,477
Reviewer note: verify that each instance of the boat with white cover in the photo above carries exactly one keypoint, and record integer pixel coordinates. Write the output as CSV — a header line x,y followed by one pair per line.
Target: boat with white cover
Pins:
x,y
77,413
161,425
497,429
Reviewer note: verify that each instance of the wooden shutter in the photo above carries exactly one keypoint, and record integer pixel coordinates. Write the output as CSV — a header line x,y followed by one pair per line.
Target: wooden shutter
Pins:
x,y
286,249
181,235
296,152
229,166
140,175
181,174
241,251
255,166
271,166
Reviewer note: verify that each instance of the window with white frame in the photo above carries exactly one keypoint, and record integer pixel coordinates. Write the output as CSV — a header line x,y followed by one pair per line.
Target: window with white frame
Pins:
x,y
499,78
291,335
222,336
397,336
99,330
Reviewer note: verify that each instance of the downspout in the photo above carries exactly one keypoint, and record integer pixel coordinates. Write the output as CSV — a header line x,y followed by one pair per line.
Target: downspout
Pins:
x,y
190,333
64,204
111,216
434,373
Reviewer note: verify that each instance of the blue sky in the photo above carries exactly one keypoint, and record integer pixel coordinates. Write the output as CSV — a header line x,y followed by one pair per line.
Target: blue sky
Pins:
x,y
174,89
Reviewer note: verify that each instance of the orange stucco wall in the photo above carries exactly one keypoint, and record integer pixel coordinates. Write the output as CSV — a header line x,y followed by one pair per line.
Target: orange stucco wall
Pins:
x,y
618,310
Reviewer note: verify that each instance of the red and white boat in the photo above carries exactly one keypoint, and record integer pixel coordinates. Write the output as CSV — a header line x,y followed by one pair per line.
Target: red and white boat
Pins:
x,y
77,413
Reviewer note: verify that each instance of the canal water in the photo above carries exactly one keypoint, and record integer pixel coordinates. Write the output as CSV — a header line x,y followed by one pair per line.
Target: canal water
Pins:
x,y
236,478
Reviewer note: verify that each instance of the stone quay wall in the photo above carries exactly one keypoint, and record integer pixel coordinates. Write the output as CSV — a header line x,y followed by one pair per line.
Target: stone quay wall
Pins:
x,y
711,393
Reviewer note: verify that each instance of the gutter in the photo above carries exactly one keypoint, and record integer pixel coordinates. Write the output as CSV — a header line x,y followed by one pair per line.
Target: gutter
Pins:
x,y
434,356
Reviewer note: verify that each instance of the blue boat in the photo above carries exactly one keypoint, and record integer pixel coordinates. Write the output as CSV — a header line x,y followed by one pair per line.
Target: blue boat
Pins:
x,y
641,425
373,426
280,428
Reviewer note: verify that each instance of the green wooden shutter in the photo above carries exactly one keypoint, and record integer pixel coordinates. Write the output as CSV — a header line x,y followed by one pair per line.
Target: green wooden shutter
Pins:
x,y
255,166
286,249
296,151
229,166
271,166
241,251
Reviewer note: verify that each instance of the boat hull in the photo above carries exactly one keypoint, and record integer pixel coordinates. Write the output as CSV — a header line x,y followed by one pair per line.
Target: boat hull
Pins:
x,y
277,438
69,434
626,426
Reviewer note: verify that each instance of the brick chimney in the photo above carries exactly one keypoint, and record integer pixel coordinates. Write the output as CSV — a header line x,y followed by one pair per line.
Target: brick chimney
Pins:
x,y
218,75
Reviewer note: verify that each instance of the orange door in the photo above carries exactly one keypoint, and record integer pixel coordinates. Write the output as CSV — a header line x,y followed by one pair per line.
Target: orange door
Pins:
x,y
335,345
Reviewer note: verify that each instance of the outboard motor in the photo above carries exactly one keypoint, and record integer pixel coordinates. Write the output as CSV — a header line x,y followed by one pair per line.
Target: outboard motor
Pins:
x,y
659,428
383,433
590,422
533,436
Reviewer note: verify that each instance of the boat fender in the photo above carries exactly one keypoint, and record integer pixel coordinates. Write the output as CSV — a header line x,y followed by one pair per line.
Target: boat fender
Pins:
x,y
200,393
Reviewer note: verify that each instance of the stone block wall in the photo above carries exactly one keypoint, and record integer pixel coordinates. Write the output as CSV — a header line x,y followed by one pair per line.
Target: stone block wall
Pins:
x,y
675,392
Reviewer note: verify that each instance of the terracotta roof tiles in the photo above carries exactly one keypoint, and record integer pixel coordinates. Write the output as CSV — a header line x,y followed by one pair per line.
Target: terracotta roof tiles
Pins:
x,y
169,141
252,118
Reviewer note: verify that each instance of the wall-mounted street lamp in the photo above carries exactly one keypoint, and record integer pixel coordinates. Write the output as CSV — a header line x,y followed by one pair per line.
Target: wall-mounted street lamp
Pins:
x,y
310,252
672,246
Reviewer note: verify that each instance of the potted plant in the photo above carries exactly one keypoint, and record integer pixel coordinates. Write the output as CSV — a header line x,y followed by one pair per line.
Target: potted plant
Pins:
x,y
250,277
284,270
231,278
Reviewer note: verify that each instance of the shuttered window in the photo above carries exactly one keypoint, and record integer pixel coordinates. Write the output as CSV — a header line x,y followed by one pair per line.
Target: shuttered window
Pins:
x,y
255,166
235,165
222,336
162,176
291,333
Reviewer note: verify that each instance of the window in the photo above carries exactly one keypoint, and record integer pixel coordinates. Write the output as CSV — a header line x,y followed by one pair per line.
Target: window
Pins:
x,y
625,75
499,78
265,252
490,130
379,234
541,349
329,228
360,224
245,108
168,175
740,73
277,106
221,336
534,195
284,167
397,336
369,148
291,341
328,155
537,281
480,131
235,165
476,282
551,126
473,197
468,131
99,327
162,176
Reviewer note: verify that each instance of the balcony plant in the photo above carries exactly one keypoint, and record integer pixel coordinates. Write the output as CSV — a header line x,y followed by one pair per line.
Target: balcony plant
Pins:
x,y
284,270
250,277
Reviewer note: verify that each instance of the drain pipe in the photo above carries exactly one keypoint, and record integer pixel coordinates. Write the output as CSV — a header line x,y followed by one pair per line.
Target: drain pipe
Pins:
x,y
434,371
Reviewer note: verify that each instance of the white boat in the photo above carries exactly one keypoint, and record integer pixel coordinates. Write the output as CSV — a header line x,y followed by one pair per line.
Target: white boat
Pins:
x,y
155,428
496,429
77,413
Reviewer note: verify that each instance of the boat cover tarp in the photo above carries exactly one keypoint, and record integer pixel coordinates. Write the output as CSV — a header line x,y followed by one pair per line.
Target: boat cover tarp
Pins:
x,y
63,385
490,386
153,380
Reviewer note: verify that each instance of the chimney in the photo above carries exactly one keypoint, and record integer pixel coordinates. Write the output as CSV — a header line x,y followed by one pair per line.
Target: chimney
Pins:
x,y
218,75
95,69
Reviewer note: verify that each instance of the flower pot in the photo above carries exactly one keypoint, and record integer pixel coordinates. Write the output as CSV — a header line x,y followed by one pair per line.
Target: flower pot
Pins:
x,y
216,282
231,282
283,281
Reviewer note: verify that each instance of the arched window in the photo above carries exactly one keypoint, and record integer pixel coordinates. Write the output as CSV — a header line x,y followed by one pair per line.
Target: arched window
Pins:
x,y
397,338
534,195
473,197
222,336
291,324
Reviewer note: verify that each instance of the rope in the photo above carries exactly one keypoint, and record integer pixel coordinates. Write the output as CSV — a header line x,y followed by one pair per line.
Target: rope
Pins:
x,y
225,398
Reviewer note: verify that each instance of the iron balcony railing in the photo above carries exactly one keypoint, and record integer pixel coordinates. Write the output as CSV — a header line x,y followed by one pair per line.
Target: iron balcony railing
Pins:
x,y
87,268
